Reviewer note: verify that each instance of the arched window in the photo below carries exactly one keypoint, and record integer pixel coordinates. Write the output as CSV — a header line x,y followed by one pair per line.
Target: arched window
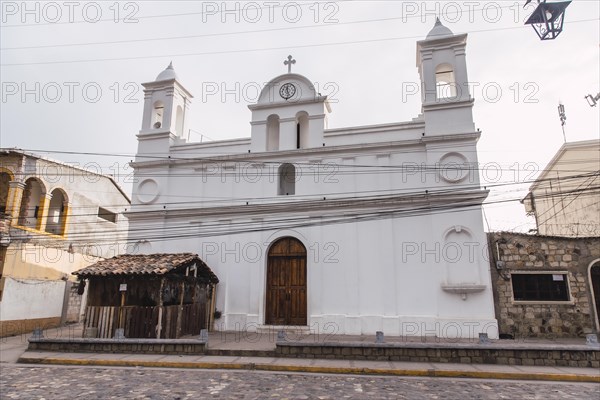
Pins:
x,y
30,212
4,180
179,122
157,114
444,81
273,133
301,130
57,213
287,180
142,247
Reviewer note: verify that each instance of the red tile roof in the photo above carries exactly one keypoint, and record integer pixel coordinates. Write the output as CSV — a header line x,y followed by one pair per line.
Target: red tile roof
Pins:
x,y
147,264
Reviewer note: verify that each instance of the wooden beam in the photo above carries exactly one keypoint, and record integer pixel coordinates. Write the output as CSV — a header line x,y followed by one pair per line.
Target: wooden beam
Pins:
x,y
160,308
211,306
180,310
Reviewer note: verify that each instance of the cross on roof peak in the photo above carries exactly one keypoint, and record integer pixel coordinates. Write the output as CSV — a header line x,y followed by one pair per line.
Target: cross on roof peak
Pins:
x,y
289,63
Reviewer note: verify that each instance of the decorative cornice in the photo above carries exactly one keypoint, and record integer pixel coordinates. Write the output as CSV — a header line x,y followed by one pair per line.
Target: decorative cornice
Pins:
x,y
398,205
443,42
450,104
162,134
297,154
315,100
452,137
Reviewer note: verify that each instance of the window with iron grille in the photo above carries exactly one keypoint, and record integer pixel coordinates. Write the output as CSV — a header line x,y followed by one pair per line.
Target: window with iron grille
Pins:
x,y
540,287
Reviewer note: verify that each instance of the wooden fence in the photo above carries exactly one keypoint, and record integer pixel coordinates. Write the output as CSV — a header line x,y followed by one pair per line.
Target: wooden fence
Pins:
x,y
142,322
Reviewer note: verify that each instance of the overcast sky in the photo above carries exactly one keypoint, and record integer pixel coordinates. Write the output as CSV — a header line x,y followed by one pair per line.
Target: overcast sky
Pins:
x,y
56,56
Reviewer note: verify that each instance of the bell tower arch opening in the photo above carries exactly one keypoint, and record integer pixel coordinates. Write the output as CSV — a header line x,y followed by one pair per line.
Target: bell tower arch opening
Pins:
x,y
157,114
273,131
302,131
445,82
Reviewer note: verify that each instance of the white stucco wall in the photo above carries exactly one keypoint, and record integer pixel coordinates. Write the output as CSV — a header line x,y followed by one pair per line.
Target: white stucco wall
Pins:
x,y
31,299
390,214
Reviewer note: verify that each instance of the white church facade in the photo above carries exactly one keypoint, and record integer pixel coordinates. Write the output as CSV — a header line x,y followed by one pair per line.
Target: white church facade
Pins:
x,y
345,231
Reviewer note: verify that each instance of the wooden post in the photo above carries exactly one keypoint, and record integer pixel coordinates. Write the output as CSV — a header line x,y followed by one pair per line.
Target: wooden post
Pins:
x,y
160,308
121,322
211,306
194,292
180,310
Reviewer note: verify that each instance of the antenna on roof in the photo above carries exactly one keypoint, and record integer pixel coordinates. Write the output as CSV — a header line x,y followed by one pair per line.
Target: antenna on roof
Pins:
x,y
563,119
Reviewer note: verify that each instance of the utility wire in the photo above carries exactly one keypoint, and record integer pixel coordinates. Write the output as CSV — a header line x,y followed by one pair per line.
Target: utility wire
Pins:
x,y
205,201
288,47
224,33
179,231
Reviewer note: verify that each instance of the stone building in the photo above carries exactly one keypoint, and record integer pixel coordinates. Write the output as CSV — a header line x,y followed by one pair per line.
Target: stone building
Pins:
x,y
545,286
55,219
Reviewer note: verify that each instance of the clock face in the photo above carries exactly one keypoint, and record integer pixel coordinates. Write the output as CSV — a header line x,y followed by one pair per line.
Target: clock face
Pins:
x,y
287,91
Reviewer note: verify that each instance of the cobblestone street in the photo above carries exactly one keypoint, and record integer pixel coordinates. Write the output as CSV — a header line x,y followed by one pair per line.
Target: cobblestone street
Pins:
x,y
23,382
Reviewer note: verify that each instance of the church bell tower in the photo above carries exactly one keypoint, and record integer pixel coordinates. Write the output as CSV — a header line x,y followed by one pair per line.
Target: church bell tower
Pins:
x,y
446,98
164,122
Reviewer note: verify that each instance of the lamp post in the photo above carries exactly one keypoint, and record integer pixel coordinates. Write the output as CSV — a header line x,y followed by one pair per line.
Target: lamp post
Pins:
x,y
548,18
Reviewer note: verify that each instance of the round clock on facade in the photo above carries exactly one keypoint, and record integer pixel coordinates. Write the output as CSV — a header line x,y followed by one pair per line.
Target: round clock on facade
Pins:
x,y
287,91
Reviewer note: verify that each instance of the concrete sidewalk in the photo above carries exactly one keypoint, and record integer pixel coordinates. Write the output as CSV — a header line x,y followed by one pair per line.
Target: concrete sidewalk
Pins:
x,y
322,366
14,349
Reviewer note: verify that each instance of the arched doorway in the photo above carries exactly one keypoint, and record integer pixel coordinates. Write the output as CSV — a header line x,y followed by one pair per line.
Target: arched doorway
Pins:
x,y
5,179
57,208
595,286
30,214
286,283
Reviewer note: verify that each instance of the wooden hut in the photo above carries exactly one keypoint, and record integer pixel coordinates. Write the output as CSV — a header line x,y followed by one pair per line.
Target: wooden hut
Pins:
x,y
162,296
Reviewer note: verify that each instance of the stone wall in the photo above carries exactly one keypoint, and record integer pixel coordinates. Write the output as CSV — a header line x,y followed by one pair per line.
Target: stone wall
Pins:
x,y
11,328
74,303
139,346
530,253
550,356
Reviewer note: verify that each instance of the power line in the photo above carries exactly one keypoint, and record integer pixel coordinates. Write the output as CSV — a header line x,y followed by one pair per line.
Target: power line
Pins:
x,y
263,49
404,17
206,201
179,231
227,159
192,13
186,14
564,206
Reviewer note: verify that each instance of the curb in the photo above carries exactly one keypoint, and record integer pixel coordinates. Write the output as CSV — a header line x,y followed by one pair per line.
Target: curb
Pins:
x,y
439,373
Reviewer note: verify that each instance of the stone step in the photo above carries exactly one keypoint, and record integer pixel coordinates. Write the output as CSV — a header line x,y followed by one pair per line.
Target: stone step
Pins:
x,y
241,353
274,329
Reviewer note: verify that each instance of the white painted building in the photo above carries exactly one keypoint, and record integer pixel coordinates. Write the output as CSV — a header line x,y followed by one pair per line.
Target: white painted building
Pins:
x,y
55,218
564,197
350,231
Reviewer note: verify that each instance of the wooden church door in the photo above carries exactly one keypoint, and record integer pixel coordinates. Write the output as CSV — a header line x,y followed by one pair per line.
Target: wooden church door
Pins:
x,y
286,283
595,275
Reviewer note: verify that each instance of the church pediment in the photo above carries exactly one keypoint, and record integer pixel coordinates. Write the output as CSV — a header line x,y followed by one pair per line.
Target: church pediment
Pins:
x,y
287,89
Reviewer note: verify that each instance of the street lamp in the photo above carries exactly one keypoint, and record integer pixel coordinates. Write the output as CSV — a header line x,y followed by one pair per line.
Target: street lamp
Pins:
x,y
593,100
548,18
